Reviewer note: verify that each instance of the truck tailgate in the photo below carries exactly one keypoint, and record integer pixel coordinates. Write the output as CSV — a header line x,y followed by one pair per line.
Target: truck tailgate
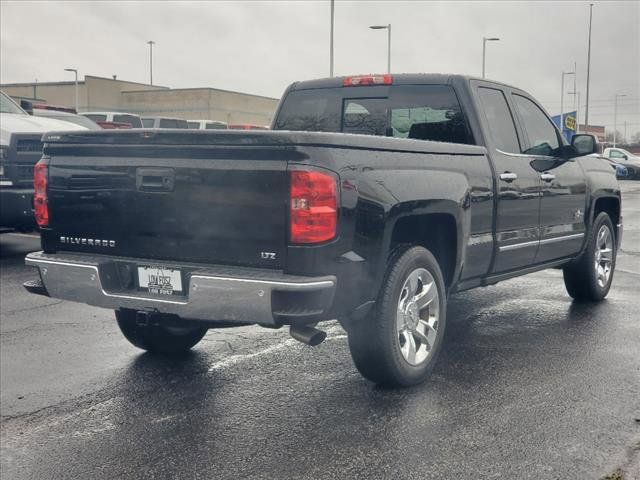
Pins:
x,y
199,203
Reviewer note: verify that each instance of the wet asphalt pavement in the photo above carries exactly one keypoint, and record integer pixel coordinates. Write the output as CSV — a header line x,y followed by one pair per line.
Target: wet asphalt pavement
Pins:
x,y
529,385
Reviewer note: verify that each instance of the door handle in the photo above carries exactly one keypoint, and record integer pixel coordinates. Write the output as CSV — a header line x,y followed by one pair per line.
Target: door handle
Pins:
x,y
547,177
508,176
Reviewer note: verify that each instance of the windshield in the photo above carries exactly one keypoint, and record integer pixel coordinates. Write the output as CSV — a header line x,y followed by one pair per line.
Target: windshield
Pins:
x,y
9,106
75,119
421,112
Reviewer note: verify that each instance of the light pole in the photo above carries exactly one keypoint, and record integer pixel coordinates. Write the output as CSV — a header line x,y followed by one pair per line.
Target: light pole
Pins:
x,y
331,42
586,108
151,43
74,70
576,98
484,50
615,116
562,101
388,28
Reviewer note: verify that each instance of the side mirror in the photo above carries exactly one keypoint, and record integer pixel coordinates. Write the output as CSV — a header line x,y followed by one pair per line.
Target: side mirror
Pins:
x,y
625,157
27,106
584,144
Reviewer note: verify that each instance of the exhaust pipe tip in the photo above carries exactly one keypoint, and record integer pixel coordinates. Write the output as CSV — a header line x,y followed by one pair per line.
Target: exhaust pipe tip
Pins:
x,y
308,334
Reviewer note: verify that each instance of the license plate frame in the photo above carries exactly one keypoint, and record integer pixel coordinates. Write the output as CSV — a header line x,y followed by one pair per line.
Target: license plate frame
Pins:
x,y
160,280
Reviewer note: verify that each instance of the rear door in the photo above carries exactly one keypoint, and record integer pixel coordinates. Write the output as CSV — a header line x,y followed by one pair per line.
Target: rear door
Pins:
x,y
518,184
563,200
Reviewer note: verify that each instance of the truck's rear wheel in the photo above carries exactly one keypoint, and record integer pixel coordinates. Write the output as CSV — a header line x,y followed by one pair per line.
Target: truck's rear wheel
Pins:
x,y
399,344
156,337
589,278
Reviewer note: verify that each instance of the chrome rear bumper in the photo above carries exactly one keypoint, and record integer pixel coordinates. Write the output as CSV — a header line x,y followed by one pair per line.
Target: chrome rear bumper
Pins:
x,y
212,293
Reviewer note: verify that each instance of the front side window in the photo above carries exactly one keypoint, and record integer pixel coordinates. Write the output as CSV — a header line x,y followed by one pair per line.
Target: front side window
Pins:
x,y
616,154
542,135
499,119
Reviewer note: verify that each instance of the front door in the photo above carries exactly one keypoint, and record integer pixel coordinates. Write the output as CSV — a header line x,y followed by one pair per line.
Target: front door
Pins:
x,y
518,185
563,201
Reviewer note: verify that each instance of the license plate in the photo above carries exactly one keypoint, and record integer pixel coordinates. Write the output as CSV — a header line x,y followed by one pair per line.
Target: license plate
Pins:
x,y
160,280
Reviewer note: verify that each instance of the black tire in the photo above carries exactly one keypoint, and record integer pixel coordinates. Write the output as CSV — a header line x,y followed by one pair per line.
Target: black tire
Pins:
x,y
375,342
580,276
156,337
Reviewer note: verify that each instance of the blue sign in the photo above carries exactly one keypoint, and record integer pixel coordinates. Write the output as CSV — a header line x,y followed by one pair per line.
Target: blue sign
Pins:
x,y
570,124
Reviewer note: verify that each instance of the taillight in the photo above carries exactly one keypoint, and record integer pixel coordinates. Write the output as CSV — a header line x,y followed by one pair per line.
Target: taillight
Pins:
x,y
367,80
313,206
40,203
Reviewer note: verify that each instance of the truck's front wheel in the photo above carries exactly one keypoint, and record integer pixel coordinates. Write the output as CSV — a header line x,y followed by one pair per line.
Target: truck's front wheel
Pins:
x,y
156,337
397,346
589,277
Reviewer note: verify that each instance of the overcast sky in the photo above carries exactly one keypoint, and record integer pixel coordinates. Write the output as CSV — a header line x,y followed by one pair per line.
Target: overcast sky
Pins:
x,y
261,47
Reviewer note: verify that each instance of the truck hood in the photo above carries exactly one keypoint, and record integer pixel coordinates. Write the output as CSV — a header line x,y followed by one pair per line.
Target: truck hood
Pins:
x,y
19,123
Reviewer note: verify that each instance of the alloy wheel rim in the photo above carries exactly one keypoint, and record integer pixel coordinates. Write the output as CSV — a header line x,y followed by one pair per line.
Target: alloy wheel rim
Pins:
x,y
417,316
603,256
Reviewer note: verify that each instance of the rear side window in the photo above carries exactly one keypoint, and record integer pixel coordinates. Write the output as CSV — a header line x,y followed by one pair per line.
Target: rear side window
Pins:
x,y
147,122
422,112
542,135
215,126
96,117
130,119
193,125
499,119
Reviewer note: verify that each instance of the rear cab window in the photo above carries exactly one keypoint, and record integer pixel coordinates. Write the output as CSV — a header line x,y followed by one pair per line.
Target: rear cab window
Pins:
x,y
96,117
130,119
422,112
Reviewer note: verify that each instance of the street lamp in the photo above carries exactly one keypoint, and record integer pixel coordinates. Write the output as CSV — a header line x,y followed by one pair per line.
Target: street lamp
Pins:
x,y
74,70
331,40
484,50
576,101
151,43
615,116
586,109
562,101
388,28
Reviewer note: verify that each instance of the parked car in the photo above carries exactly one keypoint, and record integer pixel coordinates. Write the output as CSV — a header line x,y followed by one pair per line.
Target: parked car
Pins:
x,y
206,125
622,173
20,149
444,183
74,118
246,126
114,119
163,122
623,157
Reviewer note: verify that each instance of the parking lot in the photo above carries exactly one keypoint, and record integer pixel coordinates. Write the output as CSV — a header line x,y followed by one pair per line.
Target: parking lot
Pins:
x,y
529,385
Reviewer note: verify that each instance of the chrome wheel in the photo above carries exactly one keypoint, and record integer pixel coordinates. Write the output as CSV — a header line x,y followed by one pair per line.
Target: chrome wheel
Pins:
x,y
603,256
417,316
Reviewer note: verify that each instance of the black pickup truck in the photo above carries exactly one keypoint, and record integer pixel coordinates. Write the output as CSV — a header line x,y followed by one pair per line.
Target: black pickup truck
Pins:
x,y
372,200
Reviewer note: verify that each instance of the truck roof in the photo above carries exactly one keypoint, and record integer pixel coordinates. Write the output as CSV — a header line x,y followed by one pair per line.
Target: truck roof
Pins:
x,y
398,79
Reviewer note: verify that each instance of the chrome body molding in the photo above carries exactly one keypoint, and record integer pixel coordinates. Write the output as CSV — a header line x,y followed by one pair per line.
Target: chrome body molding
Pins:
x,y
212,293
544,241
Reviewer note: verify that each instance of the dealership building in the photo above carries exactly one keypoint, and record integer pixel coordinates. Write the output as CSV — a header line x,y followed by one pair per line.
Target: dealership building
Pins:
x,y
114,95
